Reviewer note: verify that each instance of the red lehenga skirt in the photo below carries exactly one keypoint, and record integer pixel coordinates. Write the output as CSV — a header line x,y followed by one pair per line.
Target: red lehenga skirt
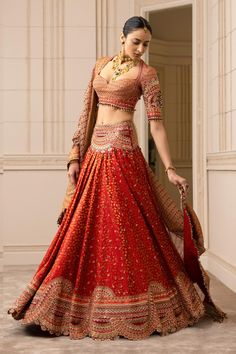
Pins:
x,y
125,259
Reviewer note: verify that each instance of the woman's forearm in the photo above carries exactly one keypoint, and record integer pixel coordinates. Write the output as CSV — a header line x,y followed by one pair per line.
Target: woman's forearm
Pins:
x,y
159,135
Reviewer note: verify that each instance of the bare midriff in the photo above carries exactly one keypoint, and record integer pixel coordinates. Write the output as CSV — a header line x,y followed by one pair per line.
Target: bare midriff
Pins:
x,y
111,115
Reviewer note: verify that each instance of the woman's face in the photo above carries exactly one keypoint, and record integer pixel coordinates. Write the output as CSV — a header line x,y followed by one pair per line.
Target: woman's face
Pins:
x,y
136,43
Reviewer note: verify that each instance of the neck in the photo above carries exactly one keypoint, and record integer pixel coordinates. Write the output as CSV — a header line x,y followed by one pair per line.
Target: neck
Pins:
x,y
122,58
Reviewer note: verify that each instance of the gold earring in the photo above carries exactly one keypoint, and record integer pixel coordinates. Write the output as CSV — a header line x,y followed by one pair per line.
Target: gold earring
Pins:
x,y
123,50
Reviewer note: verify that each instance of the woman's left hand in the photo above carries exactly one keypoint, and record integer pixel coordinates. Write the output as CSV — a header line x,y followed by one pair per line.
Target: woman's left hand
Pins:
x,y
178,181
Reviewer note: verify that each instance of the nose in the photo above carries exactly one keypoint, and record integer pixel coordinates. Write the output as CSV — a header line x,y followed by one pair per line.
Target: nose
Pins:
x,y
140,49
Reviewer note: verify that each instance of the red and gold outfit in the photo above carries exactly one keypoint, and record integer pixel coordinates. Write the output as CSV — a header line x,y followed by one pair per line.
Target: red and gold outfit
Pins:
x,y
125,259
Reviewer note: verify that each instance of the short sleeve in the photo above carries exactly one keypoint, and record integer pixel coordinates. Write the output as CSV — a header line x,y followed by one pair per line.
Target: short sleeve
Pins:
x,y
152,94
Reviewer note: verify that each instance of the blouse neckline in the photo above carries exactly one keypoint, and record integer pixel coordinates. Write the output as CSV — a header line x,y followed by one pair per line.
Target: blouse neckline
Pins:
x,y
122,78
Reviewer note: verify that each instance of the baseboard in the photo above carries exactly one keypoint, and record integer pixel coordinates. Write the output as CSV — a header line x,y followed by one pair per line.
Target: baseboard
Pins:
x,y
23,255
222,270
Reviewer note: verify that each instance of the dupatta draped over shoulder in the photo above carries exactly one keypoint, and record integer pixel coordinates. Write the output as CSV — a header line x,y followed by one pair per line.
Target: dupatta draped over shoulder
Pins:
x,y
82,136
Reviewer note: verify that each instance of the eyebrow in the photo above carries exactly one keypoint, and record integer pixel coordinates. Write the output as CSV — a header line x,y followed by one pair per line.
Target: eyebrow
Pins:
x,y
140,40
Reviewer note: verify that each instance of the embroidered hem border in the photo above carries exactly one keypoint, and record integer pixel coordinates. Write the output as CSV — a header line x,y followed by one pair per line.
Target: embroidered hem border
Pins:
x,y
105,315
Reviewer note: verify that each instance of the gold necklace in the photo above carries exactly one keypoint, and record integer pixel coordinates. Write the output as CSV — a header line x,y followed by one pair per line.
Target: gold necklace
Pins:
x,y
117,61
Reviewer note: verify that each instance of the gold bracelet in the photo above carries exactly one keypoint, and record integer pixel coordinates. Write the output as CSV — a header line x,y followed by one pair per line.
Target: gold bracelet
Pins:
x,y
170,168
71,161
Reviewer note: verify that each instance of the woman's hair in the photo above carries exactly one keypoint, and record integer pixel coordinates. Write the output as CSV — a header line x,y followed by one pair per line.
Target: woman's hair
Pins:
x,y
134,23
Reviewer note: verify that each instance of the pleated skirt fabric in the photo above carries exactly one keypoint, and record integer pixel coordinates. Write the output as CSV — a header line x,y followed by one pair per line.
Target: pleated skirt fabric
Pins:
x,y
113,268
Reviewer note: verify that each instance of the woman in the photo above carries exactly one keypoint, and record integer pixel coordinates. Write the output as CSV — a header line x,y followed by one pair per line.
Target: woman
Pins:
x,y
125,259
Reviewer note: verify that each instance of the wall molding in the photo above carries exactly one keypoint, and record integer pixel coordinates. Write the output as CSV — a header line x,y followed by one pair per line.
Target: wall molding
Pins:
x,y
53,76
34,162
23,254
172,52
25,248
28,76
221,269
221,161
161,56
222,74
101,26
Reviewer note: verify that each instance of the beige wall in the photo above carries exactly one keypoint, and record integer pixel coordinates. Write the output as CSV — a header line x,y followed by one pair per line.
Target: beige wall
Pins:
x,y
221,138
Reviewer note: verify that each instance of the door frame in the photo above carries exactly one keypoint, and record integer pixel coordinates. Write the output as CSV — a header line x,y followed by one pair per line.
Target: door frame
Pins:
x,y
199,99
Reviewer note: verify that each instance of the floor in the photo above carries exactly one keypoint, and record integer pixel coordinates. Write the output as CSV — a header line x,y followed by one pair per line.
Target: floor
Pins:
x,y
205,337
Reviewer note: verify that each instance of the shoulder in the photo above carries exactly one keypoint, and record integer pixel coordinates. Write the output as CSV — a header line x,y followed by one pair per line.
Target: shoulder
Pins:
x,y
100,62
148,72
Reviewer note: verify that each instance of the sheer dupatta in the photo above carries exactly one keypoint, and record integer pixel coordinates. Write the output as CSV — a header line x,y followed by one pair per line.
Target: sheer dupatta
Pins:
x,y
82,136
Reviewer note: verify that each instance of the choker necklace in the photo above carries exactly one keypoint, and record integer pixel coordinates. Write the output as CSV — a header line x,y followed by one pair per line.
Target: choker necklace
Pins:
x,y
118,60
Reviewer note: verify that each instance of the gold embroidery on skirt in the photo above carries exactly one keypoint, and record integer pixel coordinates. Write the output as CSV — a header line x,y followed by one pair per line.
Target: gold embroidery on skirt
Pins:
x,y
103,315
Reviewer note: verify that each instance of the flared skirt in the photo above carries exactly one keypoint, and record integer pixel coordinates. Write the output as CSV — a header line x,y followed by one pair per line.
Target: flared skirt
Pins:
x,y
116,264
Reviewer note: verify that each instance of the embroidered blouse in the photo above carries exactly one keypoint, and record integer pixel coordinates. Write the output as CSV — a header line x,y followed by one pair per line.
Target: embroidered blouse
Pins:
x,y
124,93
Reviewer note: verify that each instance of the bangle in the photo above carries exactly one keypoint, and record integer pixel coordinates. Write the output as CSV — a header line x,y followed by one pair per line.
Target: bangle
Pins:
x,y
74,160
71,161
170,168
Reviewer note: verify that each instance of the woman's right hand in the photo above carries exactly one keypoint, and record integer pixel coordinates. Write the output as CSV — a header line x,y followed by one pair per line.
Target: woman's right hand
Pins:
x,y
73,172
